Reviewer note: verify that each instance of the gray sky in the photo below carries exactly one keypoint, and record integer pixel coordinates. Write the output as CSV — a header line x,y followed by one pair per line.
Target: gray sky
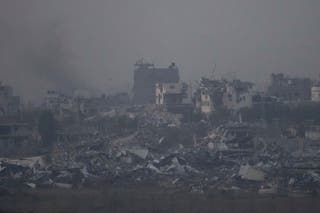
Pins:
x,y
93,44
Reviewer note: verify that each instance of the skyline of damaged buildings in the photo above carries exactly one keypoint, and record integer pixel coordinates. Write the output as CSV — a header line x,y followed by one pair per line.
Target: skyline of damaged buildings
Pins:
x,y
216,134
146,76
162,87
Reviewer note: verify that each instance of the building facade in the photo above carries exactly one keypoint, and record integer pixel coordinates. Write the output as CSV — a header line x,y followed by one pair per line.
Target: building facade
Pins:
x,y
208,97
174,97
146,76
221,94
238,94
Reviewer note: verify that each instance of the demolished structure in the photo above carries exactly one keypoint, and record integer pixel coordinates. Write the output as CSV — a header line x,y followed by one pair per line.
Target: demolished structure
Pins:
x,y
222,94
238,95
109,141
209,96
146,76
174,97
163,151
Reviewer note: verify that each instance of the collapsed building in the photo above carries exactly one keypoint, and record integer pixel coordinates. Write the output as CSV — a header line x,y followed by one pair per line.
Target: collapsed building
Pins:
x,y
208,97
77,107
229,158
238,95
231,137
156,148
174,97
120,144
91,106
290,89
59,104
217,94
146,76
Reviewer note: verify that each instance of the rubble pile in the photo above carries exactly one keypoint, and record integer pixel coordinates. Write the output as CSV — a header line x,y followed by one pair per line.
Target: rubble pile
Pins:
x,y
231,157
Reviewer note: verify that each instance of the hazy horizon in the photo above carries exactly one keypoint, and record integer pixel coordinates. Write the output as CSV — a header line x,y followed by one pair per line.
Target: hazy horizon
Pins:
x,y
94,44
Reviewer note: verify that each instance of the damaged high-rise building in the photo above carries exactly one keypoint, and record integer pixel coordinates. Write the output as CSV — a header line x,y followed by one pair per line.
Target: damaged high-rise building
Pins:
x,y
146,76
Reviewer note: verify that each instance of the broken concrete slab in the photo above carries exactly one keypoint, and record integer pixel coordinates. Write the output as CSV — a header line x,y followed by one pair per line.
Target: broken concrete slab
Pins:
x,y
249,173
139,152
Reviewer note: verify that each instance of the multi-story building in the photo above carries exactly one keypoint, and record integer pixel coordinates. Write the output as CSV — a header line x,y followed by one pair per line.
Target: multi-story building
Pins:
x,y
146,76
222,94
208,97
174,97
237,95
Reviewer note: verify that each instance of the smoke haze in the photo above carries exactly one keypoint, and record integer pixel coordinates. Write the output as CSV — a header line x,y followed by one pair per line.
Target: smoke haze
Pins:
x,y
93,44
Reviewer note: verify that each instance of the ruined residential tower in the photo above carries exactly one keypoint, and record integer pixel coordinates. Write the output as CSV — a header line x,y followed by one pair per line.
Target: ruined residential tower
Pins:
x,y
146,76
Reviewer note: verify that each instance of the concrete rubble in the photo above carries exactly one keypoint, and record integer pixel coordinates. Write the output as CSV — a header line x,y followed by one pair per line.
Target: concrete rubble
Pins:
x,y
229,157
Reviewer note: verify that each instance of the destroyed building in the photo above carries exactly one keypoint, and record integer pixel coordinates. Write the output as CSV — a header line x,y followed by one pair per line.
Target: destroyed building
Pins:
x,y
218,94
59,104
208,97
54,100
174,97
238,94
91,106
289,88
260,98
80,106
9,104
146,76
115,144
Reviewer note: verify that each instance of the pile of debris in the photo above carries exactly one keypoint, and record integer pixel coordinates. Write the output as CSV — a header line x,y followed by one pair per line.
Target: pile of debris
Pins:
x,y
229,158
